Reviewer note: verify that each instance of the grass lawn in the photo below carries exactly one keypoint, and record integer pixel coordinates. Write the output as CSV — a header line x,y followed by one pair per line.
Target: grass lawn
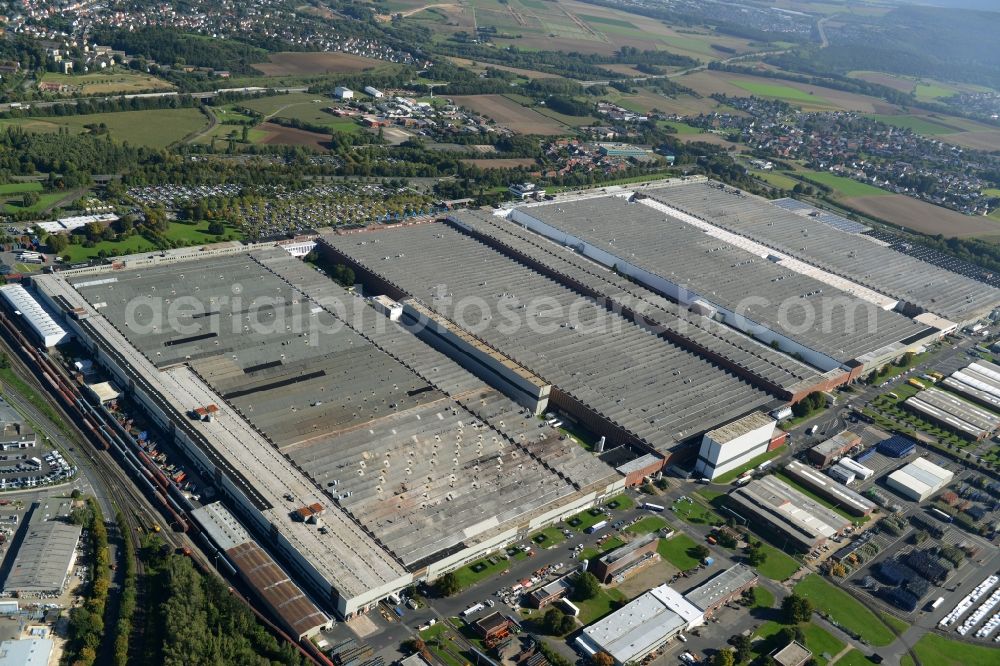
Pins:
x,y
853,658
917,124
45,201
763,597
818,640
681,128
695,513
845,187
675,550
594,609
778,565
930,91
906,660
648,525
894,622
620,502
550,536
585,519
777,91
933,650
821,642
18,188
479,571
709,494
777,179
845,610
171,125
730,475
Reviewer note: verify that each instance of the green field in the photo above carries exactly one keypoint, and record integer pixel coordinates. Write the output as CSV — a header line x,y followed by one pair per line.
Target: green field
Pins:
x,y
932,91
917,124
548,537
776,178
45,201
845,609
682,129
155,128
675,550
845,187
18,188
818,640
777,91
647,525
933,650
779,565
594,609
178,232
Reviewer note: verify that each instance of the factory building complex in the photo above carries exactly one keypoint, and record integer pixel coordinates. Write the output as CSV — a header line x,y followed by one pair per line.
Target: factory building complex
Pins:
x,y
363,440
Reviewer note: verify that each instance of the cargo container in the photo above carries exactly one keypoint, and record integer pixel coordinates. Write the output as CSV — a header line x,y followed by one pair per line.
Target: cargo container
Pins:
x,y
934,605
472,610
596,527
939,514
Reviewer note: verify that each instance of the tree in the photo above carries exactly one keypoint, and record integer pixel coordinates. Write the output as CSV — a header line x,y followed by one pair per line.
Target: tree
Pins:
x,y
56,242
602,659
796,609
29,199
724,657
447,585
701,551
586,586
216,227
741,646
756,555
557,623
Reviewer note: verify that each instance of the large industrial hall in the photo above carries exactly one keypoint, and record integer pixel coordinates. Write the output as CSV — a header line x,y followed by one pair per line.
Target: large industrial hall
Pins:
x,y
329,430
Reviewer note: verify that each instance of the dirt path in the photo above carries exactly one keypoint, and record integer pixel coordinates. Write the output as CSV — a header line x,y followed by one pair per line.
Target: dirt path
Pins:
x,y
417,10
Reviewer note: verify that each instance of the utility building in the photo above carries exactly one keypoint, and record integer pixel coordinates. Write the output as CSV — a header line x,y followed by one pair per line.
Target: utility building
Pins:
x,y
727,447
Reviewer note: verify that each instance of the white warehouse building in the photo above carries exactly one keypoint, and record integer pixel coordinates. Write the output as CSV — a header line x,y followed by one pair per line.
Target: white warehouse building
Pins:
x,y
643,625
919,480
374,92
340,92
727,447
23,304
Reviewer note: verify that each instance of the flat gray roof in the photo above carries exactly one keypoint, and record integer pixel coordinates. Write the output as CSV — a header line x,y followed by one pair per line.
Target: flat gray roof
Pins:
x,y
43,560
420,452
854,256
727,275
738,348
721,586
836,444
794,513
657,390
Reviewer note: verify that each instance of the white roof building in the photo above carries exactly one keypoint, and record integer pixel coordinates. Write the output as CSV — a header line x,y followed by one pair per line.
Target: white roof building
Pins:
x,y
27,652
41,322
919,480
641,626
736,443
340,92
